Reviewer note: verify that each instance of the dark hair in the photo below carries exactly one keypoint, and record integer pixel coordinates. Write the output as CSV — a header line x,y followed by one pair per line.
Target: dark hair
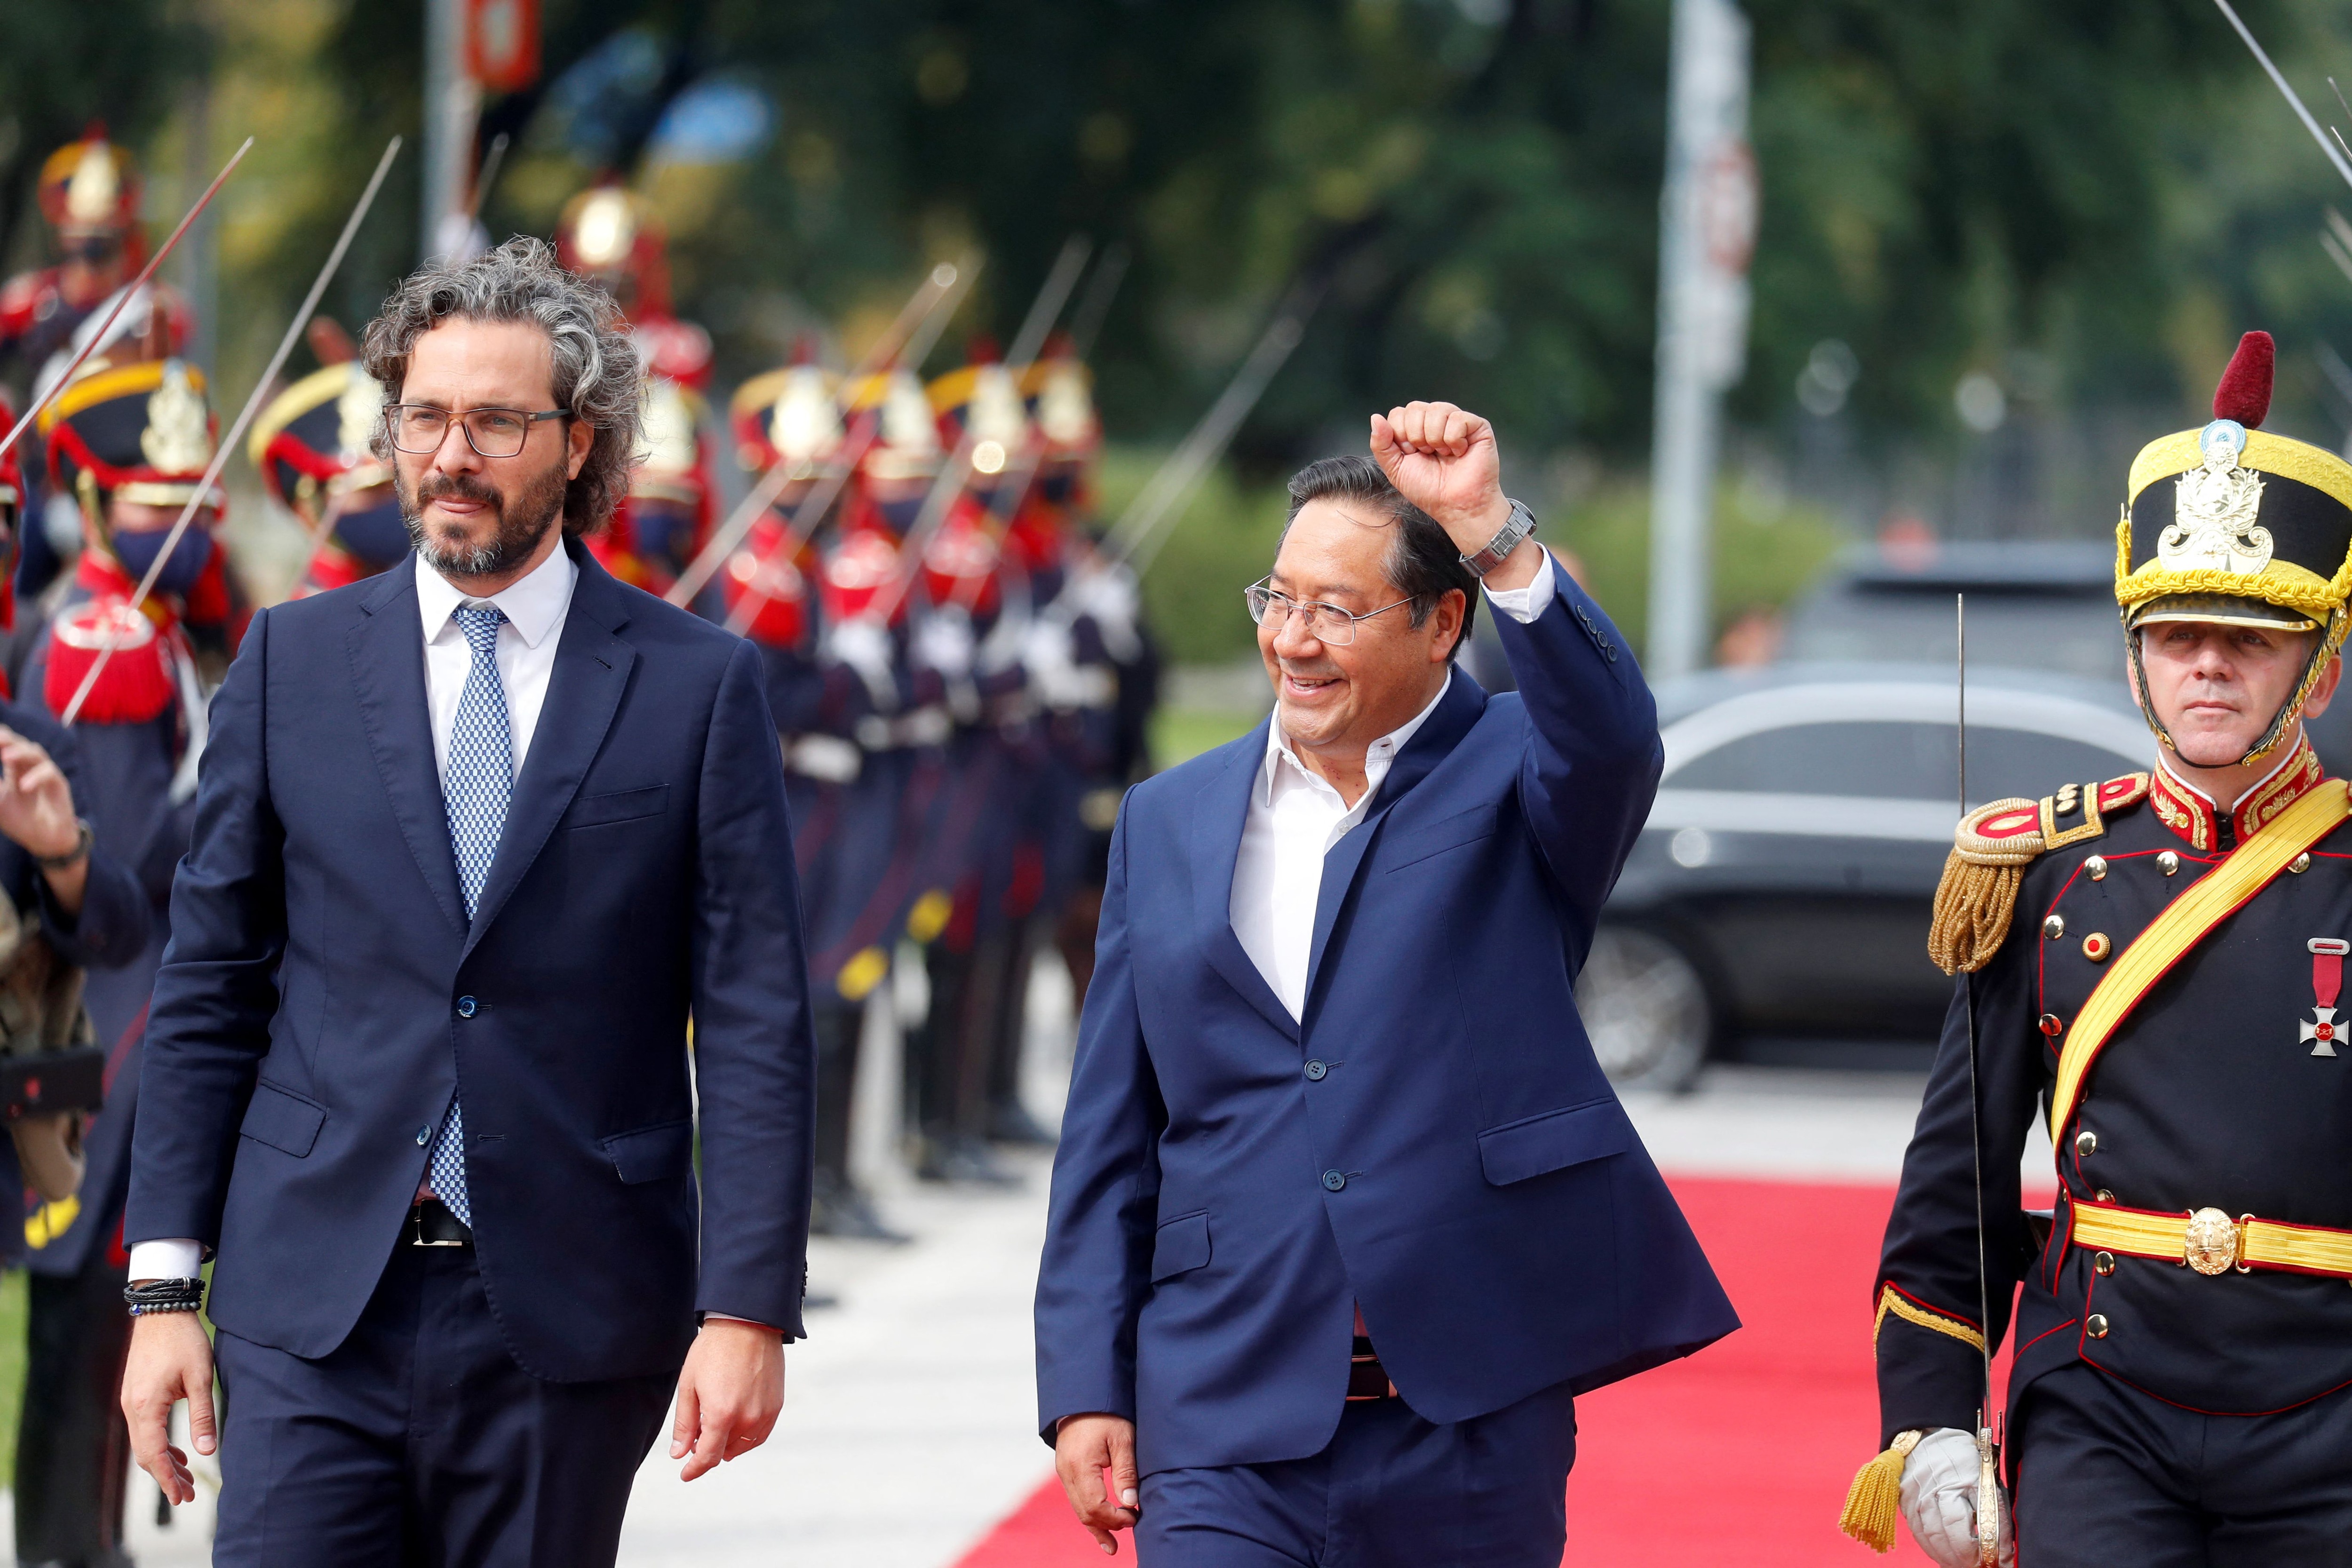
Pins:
x,y
1424,562
597,368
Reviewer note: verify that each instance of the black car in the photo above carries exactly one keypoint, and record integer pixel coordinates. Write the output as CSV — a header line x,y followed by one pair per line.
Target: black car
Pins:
x,y
1779,896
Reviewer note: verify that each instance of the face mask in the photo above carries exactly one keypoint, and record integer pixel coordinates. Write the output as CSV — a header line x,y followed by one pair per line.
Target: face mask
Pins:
x,y
902,514
376,534
137,552
664,535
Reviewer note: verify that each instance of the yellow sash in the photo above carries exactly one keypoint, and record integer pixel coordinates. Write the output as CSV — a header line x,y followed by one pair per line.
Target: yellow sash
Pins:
x,y
2213,899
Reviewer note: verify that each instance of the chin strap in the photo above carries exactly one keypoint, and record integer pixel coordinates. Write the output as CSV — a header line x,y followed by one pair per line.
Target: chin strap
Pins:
x,y
2321,652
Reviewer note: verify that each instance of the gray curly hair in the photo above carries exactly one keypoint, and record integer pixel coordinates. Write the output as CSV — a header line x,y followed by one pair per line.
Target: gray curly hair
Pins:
x,y
598,373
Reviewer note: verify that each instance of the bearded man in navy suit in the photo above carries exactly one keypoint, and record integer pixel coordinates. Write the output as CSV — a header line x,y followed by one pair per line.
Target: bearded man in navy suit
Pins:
x,y
1345,1214
474,839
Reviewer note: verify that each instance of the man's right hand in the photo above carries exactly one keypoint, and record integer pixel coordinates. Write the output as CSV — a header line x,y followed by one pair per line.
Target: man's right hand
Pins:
x,y
171,1359
1084,1447
1939,1499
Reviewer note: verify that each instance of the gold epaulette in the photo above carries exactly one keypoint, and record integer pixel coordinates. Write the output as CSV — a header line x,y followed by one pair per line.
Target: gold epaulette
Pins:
x,y
1995,843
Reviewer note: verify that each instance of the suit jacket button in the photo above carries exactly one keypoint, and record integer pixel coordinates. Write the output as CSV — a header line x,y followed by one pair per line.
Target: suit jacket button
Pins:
x,y
1316,1071
1333,1180
465,1006
2096,1325
424,1136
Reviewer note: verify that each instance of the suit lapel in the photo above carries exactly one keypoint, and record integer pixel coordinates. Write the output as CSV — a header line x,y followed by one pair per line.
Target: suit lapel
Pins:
x,y
583,692
386,646
1459,709
1218,818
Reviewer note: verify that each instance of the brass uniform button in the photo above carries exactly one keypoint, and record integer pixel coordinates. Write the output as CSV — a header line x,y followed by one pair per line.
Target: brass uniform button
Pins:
x,y
2095,947
2051,1024
2105,1196
2086,1142
2105,1263
2098,867
2054,927
2096,1325
2301,862
2168,862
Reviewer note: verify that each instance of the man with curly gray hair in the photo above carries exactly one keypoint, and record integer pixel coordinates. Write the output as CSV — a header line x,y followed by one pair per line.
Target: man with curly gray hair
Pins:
x,y
475,839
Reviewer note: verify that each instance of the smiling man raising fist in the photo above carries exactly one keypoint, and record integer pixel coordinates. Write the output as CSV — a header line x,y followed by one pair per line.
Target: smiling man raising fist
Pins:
x,y
1345,1214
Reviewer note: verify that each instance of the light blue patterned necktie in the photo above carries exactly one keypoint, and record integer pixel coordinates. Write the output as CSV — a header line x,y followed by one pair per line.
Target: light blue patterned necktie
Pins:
x,y
476,786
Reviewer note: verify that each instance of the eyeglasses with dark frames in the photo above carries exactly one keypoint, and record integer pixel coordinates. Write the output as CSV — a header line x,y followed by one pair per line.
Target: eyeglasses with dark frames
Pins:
x,y
419,428
1324,622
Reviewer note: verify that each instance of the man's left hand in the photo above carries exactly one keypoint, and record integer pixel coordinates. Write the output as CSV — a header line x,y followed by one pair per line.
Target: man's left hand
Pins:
x,y
728,1394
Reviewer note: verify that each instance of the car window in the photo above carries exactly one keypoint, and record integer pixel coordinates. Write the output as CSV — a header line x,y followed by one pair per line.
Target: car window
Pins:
x,y
2071,633
1898,760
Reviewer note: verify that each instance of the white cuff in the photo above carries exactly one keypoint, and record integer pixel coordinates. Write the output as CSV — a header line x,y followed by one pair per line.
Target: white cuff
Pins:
x,y
1524,604
175,1258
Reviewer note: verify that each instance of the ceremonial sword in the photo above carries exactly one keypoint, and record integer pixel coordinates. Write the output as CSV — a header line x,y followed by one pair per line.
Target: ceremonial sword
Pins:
x,y
124,298
245,416
1988,1502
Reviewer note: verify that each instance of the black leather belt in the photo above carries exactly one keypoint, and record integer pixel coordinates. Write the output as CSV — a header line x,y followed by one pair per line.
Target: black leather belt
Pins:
x,y
1367,1379
430,1224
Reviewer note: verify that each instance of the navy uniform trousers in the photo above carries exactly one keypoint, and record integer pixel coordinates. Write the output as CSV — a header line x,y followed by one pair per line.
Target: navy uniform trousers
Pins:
x,y
2108,1475
1390,1490
433,1423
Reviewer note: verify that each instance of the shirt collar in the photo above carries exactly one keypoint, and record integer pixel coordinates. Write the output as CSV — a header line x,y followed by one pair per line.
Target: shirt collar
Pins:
x,y
1377,756
534,605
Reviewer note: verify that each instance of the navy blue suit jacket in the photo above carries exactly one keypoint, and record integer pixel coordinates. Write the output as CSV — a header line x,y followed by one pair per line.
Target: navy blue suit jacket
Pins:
x,y
1435,1141
323,995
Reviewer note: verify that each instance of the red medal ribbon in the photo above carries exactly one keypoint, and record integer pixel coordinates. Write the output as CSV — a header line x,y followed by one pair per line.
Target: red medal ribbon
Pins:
x,y
2327,968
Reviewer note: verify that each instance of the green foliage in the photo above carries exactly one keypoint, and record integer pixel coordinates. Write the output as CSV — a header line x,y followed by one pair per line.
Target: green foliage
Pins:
x,y
1765,549
1224,541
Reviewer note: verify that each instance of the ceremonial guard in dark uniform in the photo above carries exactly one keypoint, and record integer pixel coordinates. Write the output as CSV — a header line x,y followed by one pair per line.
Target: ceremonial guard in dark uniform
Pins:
x,y
1090,662
129,442
89,197
613,235
2154,964
843,811
310,447
984,849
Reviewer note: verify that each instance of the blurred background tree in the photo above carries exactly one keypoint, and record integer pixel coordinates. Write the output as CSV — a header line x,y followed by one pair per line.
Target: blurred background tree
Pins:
x,y
2000,246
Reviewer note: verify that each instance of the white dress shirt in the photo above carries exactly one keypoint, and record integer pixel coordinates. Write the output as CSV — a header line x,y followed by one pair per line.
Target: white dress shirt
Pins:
x,y
525,652
1295,815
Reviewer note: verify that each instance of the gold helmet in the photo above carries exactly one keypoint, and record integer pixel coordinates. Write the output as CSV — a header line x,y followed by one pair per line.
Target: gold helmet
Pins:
x,y
2236,526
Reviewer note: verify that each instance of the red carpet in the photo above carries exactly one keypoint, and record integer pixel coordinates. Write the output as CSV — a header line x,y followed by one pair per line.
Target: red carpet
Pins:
x,y
1740,1454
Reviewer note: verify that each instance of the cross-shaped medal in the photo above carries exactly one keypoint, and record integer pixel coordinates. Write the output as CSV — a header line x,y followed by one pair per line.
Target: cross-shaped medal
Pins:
x,y
2327,982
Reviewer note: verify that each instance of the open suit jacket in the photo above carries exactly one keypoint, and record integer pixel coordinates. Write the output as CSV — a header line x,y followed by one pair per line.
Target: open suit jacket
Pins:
x,y
323,995
1433,1141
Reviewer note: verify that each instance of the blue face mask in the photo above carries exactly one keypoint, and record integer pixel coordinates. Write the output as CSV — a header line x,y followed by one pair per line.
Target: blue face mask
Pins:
x,y
665,534
137,552
902,514
376,534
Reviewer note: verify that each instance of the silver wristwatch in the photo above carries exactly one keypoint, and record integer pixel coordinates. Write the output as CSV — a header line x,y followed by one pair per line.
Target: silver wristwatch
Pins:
x,y
1521,523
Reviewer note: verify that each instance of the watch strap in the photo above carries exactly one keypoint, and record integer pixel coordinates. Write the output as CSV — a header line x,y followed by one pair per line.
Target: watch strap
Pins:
x,y
1519,526
79,850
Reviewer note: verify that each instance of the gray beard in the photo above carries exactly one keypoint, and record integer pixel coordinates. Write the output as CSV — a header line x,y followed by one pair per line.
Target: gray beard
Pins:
x,y
522,526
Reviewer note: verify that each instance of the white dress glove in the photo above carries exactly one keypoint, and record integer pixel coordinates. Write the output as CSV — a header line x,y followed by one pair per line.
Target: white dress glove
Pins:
x,y
1939,1499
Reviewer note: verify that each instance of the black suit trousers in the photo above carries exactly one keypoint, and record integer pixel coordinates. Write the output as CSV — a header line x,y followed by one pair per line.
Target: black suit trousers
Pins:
x,y
423,1417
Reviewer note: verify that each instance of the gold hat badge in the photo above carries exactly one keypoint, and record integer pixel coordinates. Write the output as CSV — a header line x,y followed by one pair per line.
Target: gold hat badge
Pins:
x,y
178,439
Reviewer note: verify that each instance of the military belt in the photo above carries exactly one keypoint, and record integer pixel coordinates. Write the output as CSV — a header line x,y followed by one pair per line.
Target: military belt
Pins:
x,y
2211,1242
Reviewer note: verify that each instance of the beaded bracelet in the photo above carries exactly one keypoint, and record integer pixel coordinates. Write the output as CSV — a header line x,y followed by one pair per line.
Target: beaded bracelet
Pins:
x,y
164,1295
